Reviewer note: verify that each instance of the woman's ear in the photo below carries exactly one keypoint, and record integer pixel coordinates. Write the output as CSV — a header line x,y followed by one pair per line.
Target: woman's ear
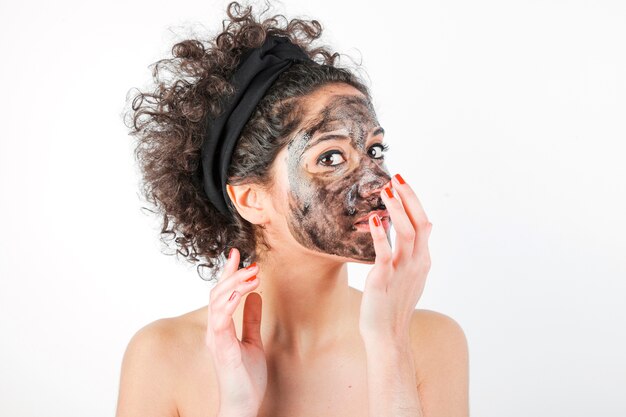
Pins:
x,y
249,200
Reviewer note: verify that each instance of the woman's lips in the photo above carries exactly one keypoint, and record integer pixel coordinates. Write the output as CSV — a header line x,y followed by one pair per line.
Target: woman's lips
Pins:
x,y
365,227
365,219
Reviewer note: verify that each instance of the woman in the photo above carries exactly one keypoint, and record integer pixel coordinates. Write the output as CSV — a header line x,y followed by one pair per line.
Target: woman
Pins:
x,y
277,184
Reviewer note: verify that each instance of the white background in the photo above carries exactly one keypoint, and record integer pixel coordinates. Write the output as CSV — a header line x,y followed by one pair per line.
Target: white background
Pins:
x,y
507,118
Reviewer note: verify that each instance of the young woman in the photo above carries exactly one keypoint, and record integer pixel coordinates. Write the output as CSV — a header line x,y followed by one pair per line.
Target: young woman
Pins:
x,y
267,163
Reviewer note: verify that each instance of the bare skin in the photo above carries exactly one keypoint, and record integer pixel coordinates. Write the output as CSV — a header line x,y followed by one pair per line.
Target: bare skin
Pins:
x,y
330,381
315,354
316,384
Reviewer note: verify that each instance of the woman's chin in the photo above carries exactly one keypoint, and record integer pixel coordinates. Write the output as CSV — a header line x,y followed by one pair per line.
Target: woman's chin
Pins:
x,y
362,261
365,255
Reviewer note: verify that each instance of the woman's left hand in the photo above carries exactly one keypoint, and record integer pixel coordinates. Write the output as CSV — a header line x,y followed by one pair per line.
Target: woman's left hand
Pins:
x,y
396,281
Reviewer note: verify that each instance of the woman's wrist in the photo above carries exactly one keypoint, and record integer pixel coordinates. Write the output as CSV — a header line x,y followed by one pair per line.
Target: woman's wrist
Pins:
x,y
232,412
235,414
379,353
396,343
391,379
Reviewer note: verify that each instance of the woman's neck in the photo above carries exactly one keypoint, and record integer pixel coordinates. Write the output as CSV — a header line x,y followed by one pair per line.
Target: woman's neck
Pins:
x,y
307,303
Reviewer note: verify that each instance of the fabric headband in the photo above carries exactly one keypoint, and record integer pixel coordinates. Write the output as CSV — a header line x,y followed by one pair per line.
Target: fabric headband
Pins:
x,y
257,70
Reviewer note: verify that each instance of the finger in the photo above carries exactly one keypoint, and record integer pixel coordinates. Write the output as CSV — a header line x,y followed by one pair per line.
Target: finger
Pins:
x,y
384,254
405,233
232,263
413,206
222,335
227,285
245,281
223,306
251,328
381,244
221,294
230,267
414,211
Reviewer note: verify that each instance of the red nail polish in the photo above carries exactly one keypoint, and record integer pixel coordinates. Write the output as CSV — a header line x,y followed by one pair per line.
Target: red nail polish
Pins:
x,y
230,253
399,178
251,279
389,192
376,221
252,265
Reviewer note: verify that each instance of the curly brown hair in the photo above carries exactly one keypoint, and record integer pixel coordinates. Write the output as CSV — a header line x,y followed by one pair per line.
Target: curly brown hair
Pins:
x,y
168,126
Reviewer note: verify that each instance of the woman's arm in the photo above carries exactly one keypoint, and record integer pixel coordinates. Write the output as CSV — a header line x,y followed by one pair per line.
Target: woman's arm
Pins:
x,y
442,390
387,319
391,381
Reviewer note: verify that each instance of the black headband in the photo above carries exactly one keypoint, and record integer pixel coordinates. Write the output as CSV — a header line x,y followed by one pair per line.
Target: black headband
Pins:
x,y
257,70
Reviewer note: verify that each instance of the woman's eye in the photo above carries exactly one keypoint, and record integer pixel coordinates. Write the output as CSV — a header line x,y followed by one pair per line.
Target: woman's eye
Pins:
x,y
377,150
332,157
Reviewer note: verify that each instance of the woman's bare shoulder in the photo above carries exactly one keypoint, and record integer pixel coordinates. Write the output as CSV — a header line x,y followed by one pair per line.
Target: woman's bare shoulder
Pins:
x,y
434,321
165,338
432,331
183,332
161,357
146,378
441,358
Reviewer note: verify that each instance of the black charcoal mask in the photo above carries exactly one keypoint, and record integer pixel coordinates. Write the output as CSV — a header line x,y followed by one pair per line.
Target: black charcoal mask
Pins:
x,y
325,201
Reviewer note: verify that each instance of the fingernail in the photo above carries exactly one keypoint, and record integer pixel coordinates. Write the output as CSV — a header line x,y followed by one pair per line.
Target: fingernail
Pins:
x,y
376,220
251,279
399,178
230,253
252,265
389,192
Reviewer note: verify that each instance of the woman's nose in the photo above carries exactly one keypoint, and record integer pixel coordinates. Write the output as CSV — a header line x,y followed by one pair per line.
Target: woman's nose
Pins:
x,y
372,183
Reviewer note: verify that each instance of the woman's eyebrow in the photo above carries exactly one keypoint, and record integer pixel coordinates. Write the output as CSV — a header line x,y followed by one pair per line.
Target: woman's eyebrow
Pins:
x,y
331,136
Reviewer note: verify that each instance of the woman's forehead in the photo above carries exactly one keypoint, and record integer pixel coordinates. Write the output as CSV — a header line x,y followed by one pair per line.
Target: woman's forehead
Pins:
x,y
348,114
332,110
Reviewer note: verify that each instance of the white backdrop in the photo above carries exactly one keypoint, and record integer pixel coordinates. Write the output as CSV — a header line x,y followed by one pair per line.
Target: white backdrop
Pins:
x,y
507,117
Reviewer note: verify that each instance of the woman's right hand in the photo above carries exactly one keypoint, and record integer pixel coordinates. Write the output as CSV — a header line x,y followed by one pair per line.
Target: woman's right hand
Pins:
x,y
240,366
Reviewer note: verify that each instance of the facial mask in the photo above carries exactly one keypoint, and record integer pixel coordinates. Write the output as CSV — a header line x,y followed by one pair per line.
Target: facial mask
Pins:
x,y
324,201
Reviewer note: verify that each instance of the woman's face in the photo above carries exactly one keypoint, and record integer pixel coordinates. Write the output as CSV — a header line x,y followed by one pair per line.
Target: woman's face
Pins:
x,y
332,172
